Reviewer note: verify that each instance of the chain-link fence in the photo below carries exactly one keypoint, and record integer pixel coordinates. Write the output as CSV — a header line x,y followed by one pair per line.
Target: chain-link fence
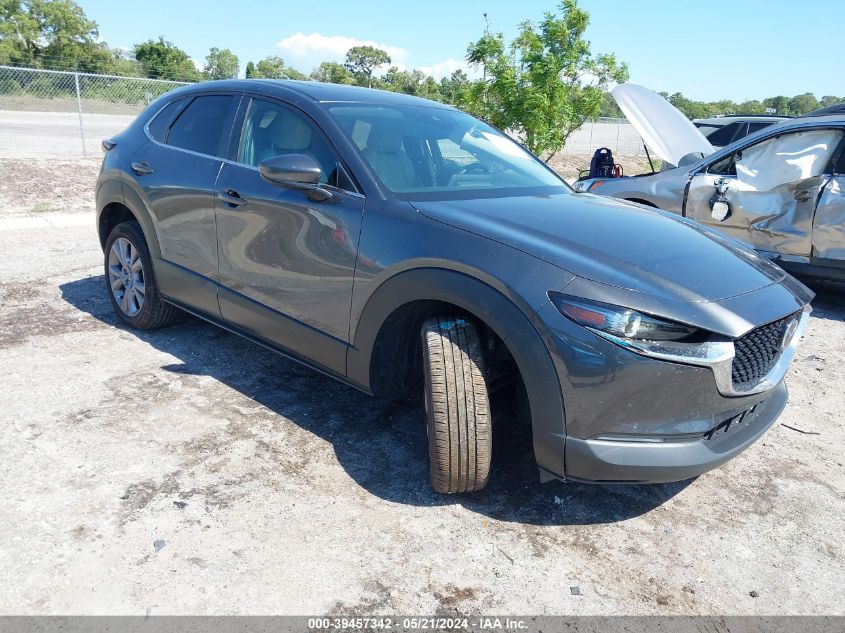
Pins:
x,y
56,114
616,134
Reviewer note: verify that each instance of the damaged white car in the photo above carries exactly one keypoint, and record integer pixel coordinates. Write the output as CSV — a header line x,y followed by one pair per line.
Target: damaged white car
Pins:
x,y
780,191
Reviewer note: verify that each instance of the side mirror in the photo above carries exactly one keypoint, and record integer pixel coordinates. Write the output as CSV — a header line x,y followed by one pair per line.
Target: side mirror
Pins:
x,y
294,171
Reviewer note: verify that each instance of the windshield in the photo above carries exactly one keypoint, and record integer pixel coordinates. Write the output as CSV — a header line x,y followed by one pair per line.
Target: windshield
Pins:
x,y
420,152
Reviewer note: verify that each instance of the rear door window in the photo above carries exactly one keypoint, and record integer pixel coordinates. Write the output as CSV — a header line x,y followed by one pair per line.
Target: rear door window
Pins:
x,y
725,135
203,126
756,127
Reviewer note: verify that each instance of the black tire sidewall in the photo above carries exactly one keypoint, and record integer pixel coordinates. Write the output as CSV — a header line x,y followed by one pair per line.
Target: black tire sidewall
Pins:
x,y
131,231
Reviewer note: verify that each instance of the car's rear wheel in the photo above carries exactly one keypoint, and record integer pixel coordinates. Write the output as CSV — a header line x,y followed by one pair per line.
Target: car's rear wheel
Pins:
x,y
457,406
130,282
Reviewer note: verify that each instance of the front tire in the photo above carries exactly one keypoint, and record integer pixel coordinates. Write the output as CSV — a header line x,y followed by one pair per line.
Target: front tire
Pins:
x,y
130,282
457,406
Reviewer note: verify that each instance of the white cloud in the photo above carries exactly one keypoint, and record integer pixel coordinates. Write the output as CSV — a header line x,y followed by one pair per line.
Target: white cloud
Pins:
x,y
448,66
307,51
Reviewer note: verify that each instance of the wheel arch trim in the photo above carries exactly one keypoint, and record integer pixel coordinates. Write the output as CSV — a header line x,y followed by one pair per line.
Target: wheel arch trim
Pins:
x,y
515,328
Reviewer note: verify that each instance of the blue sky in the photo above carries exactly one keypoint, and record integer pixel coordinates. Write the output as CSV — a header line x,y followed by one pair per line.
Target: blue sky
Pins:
x,y
713,50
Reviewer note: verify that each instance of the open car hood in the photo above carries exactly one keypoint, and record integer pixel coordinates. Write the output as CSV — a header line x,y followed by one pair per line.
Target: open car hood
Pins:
x,y
666,131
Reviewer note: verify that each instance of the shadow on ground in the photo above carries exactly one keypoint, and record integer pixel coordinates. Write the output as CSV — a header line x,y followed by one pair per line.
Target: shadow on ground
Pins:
x,y
380,445
830,299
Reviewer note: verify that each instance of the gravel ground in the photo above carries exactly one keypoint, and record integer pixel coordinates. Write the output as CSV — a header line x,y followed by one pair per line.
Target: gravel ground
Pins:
x,y
188,471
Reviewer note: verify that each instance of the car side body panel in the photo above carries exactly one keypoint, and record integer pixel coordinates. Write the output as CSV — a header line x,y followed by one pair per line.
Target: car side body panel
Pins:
x,y
829,222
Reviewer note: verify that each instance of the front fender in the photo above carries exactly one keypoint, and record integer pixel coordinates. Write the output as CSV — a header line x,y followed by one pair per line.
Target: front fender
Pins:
x,y
498,312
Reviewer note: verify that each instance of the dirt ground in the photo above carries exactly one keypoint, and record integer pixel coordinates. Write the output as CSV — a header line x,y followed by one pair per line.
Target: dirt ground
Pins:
x,y
188,471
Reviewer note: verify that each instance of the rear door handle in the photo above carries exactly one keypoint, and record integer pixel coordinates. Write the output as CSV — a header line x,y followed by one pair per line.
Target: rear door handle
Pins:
x,y
803,196
231,197
142,169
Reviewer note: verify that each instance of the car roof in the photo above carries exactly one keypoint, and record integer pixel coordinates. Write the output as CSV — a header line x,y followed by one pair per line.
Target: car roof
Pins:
x,y
315,90
724,120
836,108
810,120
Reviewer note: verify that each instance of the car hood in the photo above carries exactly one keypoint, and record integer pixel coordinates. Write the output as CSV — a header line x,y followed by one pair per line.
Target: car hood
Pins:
x,y
616,243
666,131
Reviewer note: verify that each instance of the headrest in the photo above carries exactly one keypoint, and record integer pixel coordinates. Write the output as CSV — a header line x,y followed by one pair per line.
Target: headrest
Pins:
x,y
288,131
386,139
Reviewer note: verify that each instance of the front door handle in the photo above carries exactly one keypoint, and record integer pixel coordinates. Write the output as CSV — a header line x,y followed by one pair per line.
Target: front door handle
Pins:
x,y
803,196
142,169
231,197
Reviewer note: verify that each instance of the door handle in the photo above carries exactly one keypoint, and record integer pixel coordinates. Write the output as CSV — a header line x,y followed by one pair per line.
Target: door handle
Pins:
x,y
230,197
803,196
142,169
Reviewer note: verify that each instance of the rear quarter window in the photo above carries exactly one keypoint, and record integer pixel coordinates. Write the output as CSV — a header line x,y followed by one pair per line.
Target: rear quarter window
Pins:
x,y
161,122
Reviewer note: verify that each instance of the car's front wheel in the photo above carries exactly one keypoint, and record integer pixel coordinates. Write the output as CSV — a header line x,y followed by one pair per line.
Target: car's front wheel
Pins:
x,y
130,282
456,404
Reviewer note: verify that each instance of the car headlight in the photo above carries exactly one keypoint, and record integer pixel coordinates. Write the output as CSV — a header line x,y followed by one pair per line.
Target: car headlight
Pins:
x,y
645,334
619,321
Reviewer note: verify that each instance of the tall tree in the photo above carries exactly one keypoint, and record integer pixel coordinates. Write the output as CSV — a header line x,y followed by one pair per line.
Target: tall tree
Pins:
x,y
221,64
361,61
250,71
163,60
50,34
802,104
412,83
332,73
455,88
273,67
546,83
779,104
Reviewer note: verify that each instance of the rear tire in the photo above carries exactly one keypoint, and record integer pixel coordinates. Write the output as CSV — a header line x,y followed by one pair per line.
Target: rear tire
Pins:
x,y
457,406
130,282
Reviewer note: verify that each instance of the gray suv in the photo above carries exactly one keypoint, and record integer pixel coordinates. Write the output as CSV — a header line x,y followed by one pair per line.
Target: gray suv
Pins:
x,y
398,244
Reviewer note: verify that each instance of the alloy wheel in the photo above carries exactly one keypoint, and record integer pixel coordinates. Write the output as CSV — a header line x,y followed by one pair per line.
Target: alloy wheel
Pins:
x,y
126,276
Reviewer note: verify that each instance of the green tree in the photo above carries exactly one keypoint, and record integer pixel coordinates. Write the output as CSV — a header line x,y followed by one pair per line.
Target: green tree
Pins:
x,y
829,100
250,71
779,104
804,103
609,107
164,60
455,89
547,83
414,82
750,107
221,64
51,34
361,61
332,73
272,67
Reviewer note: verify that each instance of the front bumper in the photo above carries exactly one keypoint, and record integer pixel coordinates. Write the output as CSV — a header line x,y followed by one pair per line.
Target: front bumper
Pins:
x,y
617,460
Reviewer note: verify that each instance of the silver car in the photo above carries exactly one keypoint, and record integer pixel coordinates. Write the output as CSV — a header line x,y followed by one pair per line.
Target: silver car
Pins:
x,y
724,130
779,190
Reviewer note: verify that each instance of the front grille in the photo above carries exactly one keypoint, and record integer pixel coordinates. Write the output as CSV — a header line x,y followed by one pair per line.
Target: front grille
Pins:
x,y
757,352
